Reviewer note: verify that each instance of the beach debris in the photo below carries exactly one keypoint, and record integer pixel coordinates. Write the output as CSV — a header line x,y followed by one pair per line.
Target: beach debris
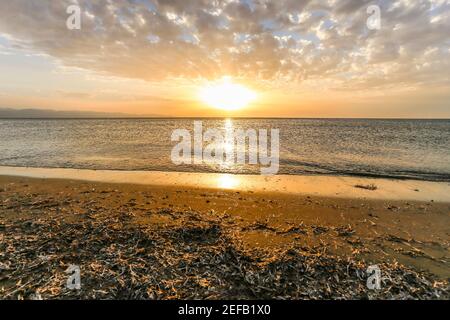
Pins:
x,y
371,187
345,231
317,230
192,255
260,225
373,224
294,230
393,208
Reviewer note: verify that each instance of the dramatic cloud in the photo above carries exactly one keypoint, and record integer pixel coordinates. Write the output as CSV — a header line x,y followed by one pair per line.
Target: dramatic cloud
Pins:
x,y
271,42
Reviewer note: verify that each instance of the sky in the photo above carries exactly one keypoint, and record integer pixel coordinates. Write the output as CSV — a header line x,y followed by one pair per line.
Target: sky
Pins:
x,y
301,58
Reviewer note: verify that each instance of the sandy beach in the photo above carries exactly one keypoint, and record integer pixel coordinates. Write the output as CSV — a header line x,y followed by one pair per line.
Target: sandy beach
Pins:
x,y
161,235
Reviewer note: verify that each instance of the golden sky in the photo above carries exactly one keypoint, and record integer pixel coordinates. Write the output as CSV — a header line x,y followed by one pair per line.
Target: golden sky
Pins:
x,y
300,58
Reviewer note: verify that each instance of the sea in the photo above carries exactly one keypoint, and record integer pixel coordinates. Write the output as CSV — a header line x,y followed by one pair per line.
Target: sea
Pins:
x,y
398,149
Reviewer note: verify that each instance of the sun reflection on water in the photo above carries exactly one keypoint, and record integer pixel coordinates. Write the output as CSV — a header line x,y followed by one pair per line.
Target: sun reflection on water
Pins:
x,y
229,131
228,145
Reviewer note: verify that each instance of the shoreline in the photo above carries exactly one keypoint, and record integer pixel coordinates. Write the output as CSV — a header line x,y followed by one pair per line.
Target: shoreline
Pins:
x,y
313,185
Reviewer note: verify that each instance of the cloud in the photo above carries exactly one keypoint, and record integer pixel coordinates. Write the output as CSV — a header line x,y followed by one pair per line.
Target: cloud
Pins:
x,y
271,42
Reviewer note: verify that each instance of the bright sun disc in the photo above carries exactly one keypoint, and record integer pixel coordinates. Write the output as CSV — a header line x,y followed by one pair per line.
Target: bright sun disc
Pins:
x,y
227,95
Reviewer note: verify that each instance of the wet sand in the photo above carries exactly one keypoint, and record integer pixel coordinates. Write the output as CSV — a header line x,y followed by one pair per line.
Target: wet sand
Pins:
x,y
190,239
324,186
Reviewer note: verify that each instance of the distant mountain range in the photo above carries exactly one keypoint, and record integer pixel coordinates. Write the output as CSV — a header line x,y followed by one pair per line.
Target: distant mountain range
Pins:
x,y
9,113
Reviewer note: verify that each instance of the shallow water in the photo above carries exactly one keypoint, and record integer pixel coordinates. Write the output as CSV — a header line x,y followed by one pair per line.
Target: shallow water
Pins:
x,y
418,149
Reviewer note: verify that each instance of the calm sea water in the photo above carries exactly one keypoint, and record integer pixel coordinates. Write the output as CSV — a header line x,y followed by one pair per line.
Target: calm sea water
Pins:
x,y
418,149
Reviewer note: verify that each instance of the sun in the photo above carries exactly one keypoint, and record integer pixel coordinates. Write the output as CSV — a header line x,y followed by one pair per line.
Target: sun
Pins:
x,y
227,95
